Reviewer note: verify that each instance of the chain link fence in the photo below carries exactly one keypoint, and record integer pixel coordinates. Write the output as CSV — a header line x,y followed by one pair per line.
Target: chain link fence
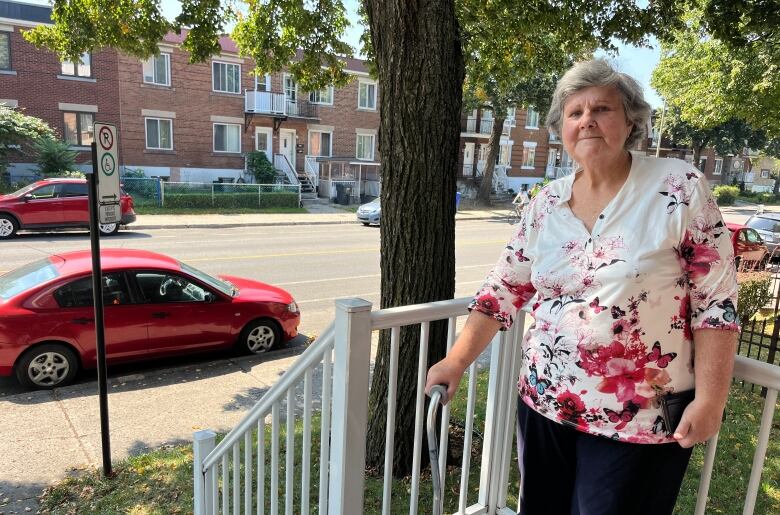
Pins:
x,y
203,195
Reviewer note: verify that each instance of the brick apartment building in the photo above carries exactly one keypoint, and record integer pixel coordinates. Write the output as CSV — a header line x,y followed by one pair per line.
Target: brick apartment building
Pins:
x,y
69,97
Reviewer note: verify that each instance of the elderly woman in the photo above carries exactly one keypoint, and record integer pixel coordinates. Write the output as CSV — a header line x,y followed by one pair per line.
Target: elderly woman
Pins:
x,y
631,270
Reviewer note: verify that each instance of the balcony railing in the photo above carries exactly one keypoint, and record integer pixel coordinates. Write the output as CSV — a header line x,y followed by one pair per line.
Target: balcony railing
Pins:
x,y
266,102
485,126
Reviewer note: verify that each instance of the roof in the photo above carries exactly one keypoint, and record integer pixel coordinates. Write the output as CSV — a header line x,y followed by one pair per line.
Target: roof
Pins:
x,y
111,259
769,216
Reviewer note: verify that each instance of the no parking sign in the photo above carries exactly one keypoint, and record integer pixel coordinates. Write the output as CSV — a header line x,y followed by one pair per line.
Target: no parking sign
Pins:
x,y
108,190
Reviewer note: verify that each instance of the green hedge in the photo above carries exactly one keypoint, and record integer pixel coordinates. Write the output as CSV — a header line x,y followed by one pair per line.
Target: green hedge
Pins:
x,y
220,200
725,195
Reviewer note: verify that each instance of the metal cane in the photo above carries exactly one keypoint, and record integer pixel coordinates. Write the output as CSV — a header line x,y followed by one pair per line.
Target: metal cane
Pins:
x,y
438,395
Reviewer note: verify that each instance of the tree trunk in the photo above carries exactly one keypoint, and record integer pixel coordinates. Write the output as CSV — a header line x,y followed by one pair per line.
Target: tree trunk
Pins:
x,y
486,186
420,67
697,155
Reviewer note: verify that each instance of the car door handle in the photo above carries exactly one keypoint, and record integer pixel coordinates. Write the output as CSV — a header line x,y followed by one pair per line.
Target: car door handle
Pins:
x,y
160,314
82,321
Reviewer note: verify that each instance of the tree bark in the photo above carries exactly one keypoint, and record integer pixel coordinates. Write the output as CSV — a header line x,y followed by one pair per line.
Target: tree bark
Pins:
x,y
486,186
420,67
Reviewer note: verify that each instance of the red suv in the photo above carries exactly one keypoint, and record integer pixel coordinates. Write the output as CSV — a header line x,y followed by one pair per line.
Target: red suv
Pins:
x,y
54,203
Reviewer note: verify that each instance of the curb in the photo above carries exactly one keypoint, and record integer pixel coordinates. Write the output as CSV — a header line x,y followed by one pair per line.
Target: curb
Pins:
x,y
228,225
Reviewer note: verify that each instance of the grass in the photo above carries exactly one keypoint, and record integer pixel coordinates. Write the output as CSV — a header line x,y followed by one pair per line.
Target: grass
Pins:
x,y
155,210
161,482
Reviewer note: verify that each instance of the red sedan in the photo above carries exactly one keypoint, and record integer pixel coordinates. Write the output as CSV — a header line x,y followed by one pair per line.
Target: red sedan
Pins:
x,y
750,251
154,306
54,204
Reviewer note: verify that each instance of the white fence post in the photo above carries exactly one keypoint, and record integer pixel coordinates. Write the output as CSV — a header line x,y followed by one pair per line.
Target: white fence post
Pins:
x,y
352,353
203,442
162,193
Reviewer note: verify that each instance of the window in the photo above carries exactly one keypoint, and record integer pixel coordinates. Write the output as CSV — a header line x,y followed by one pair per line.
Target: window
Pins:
x,y
703,163
263,83
5,51
502,158
765,174
532,119
78,294
226,77
511,114
159,134
290,89
45,192
263,139
79,128
367,95
227,137
320,143
158,287
73,189
81,69
157,70
718,166
365,147
323,96
529,154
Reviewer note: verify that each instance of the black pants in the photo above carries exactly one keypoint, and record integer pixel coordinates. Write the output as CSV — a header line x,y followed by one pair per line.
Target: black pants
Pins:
x,y
567,472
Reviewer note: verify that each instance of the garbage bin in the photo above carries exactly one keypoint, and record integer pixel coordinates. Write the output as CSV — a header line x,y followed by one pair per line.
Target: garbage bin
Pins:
x,y
457,200
343,193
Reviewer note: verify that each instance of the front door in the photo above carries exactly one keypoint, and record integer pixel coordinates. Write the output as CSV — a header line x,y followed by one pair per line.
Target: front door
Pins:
x,y
468,159
287,145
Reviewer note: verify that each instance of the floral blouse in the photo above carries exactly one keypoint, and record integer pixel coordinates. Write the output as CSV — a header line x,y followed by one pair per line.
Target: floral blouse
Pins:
x,y
615,309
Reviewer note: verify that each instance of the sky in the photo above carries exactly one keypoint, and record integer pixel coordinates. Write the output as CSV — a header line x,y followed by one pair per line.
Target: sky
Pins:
x,y
637,62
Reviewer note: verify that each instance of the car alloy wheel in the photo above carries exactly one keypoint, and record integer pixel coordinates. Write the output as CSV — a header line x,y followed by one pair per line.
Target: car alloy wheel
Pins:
x,y
260,336
7,226
47,366
108,229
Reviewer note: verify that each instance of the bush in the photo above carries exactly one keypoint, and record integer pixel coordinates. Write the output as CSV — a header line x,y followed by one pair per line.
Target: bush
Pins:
x,y
755,290
54,157
233,200
261,168
725,195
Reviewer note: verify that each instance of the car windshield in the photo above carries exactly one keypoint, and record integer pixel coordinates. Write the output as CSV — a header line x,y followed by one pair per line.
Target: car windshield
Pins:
x,y
224,287
764,224
26,277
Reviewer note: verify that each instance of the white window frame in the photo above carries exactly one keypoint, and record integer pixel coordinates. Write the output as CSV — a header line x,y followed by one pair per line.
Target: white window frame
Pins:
x,y
213,77
214,135
76,66
504,149
765,174
718,166
531,145
367,83
534,125
7,36
328,89
266,82
150,62
359,135
330,142
267,132
146,136
79,129
702,163
285,89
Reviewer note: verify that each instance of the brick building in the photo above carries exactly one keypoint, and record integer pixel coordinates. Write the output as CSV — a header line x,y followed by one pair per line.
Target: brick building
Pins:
x,y
70,97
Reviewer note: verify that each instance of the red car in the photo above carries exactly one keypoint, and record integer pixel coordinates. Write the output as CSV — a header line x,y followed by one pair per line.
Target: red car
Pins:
x,y
54,204
154,306
749,249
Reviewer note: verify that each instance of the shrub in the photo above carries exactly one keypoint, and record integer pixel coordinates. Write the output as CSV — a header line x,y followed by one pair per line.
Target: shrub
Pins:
x,y
755,290
260,167
54,156
725,195
232,200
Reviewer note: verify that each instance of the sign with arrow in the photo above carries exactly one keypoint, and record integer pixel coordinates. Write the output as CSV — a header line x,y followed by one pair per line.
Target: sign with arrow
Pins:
x,y
108,189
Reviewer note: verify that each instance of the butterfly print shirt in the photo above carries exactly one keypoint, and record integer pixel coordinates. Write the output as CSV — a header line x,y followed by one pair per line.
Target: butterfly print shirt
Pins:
x,y
615,309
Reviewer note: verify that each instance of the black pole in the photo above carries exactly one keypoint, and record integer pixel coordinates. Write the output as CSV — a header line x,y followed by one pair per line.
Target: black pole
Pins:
x,y
97,288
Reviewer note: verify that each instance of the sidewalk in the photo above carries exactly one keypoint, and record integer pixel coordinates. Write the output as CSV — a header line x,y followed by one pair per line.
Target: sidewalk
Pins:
x,y
322,217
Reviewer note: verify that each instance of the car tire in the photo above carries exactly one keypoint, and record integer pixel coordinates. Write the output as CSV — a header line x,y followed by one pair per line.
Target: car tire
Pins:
x,y
737,262
108,229
260,336
8,226
366,223
47,366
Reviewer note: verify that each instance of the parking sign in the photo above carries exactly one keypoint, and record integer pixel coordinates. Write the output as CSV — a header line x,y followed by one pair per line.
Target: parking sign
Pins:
x,y
108,190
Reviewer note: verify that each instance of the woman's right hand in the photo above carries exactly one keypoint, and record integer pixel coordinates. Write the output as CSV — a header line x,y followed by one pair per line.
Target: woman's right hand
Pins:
x,y
446,372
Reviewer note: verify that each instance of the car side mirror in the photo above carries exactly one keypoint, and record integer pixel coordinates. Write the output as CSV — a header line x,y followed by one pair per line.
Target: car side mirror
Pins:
x,y
27,197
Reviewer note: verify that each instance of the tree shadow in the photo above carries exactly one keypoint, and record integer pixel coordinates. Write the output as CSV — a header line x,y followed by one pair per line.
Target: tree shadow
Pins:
x,y
75,235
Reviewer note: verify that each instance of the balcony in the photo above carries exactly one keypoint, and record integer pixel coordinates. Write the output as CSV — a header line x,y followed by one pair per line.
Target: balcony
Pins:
x,y
484,127
278,105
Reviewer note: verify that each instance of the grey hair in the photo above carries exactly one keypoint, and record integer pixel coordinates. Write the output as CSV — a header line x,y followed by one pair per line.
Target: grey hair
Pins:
x,y
595,73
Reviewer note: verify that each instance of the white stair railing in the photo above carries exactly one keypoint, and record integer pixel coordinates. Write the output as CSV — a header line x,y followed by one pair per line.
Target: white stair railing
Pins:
x,y
283,164
312,169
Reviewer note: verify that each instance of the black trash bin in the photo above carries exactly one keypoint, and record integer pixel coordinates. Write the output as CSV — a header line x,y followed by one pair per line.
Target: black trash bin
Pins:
x,y
343,193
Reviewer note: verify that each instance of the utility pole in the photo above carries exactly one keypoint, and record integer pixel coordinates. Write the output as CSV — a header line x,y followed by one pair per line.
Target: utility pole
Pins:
x,y
660,132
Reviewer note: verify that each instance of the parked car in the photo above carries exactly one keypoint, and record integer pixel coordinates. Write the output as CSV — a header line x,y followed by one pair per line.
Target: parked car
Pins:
x,y
54,204
154,306
749,249
768,226
370,213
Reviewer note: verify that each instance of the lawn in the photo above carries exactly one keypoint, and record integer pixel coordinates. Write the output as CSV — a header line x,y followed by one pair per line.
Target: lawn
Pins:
x,y
161,482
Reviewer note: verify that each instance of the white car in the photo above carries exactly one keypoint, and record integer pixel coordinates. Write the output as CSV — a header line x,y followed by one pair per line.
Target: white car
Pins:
x,y
368,214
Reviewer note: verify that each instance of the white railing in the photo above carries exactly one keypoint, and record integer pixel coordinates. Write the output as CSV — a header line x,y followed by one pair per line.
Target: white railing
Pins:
x,y
283,164
556,172
231,477
471,124
312,169
486,126
264,102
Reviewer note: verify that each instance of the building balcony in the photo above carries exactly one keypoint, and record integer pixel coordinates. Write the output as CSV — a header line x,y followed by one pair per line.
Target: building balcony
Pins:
x,y
277,105
485,126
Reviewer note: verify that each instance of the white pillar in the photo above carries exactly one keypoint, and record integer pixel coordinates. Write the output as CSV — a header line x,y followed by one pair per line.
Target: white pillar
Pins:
x,y
203,442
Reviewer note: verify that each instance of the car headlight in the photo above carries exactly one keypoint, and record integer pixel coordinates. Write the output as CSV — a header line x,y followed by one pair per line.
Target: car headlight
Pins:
x,y
292,307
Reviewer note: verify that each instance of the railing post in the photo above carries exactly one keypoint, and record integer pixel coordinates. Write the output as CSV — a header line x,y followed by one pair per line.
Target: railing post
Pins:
x,y
352,352
203,442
